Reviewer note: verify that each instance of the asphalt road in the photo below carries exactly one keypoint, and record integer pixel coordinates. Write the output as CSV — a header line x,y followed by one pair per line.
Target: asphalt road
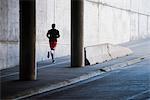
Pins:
x,y
131,83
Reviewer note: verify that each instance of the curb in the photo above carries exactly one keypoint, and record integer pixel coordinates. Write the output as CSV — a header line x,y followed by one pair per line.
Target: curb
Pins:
x,y
43,89
124,64
83,77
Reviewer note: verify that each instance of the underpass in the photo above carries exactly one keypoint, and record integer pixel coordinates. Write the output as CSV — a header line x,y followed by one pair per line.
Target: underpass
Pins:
x,y
97,38
130,83
62,72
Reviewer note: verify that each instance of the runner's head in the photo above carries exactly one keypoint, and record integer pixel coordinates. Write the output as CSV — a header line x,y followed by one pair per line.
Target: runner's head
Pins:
x,y
53,26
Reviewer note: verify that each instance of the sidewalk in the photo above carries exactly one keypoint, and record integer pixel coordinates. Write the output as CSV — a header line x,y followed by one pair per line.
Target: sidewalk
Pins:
x,y
60,74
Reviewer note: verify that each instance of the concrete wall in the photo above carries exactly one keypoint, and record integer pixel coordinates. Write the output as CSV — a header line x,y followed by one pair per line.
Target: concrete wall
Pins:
x,y
113,21
9,29
116,21
9,33
49,12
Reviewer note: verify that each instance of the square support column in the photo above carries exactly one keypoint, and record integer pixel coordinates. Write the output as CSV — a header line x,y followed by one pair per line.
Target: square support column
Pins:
x,y
27,40
77,49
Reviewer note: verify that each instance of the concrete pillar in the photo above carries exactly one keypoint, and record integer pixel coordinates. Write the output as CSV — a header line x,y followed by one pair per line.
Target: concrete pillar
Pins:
x,y
77,49
27,40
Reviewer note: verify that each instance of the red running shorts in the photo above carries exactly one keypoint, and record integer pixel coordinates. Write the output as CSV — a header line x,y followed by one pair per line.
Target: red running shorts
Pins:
x,y
53,44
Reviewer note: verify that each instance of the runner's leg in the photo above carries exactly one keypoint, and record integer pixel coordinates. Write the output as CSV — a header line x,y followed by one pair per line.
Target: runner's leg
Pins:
x,y
52,55
52,46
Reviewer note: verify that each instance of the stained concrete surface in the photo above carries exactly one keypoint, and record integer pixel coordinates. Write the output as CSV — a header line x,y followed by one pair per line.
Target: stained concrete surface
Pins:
x,y
132,83
58,72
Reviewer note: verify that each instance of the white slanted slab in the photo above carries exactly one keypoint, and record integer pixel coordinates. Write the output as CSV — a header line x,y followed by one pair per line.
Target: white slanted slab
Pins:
x,y
104,52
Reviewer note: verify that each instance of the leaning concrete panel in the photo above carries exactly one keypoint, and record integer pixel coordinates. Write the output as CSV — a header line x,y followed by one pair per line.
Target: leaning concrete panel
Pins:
x,y
104,52
97,53
116,51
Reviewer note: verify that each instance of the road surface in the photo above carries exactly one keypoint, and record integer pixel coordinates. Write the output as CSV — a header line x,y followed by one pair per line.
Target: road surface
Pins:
x,y
131,83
